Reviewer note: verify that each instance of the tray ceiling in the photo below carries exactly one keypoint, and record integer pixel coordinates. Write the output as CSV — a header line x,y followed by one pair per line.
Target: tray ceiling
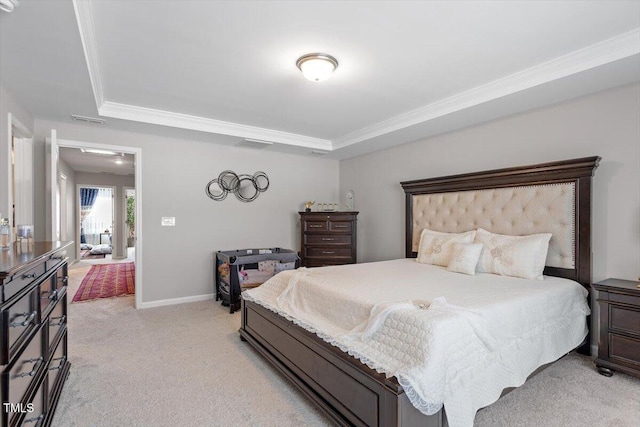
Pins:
x,y
407,70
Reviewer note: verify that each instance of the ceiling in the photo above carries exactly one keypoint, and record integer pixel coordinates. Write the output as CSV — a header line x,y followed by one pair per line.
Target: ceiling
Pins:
x,y
408,70
118,164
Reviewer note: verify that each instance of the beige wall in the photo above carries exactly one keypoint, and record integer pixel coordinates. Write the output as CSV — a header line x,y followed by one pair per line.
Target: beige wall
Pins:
x,y
177,261
605,124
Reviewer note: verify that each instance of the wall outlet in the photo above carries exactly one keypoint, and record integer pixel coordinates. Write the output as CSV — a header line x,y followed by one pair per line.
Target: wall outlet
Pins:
x,y
168,221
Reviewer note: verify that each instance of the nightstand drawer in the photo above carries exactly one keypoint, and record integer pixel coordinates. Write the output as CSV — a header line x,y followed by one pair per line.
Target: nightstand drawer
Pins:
x,y
624,349
624,319
625,299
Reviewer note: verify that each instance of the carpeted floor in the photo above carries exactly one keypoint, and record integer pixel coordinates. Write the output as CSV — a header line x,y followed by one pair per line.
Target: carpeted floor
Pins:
x,y
185,365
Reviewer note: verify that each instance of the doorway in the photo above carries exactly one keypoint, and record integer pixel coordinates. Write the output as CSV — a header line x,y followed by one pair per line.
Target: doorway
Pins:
x,y
53,206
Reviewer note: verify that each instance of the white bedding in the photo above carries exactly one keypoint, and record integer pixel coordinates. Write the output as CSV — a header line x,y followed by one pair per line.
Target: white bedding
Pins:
x,y
449,339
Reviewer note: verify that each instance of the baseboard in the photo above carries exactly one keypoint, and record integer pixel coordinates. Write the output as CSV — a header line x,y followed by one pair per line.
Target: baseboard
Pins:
x,y
173,301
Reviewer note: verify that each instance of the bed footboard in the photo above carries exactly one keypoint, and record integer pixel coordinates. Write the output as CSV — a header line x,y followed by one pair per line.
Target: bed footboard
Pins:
x,y
345,389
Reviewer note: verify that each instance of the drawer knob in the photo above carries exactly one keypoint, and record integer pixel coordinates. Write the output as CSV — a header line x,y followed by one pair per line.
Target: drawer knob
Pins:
x,y
29,276
34,419
53,294
26,321
315,226
328,252
328,239
60,319
35,369
57,258
62,360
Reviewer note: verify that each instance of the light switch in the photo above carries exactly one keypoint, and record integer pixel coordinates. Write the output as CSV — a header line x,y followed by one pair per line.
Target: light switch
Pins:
x,y
168,221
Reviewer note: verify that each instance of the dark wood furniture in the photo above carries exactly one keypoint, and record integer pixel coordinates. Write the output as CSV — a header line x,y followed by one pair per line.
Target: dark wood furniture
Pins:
x,y
33,343
619,339
328,238
347,390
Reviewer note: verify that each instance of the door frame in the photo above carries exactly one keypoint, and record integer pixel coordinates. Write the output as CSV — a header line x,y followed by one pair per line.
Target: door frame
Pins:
x,y
125,236
54,144
79,211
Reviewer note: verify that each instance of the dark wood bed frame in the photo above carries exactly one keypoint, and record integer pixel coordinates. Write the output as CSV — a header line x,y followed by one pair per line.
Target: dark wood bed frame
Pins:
x,y
352,393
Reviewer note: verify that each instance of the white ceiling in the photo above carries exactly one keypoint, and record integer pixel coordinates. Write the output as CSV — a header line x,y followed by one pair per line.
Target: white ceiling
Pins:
x,y
98,163
407,69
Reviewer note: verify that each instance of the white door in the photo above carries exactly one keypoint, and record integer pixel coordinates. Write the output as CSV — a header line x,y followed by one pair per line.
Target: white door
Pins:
x,y
52,188
23,181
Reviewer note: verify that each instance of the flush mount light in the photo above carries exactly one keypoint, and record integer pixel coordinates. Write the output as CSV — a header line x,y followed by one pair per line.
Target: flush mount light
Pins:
x,y
99,151
317,66
8,5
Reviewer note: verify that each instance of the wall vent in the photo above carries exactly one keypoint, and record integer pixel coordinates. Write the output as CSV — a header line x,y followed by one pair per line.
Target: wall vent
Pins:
x,y
88,119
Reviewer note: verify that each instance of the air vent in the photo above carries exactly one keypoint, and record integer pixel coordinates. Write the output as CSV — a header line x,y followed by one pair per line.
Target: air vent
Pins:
x,y
88,119
254,143
318,153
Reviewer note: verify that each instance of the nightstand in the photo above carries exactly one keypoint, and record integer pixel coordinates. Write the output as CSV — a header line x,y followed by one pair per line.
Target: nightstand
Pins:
x,y
619,339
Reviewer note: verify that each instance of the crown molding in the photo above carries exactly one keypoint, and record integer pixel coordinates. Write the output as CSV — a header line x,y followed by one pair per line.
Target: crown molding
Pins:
x,y
84,18
203,124
604,52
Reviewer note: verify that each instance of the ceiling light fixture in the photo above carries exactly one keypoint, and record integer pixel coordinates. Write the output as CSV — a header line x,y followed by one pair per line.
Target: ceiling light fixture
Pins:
x,y
317,66
99,151
8,5
119,162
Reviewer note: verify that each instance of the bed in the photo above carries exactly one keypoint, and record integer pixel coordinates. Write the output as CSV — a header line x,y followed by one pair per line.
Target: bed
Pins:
x,y
551,197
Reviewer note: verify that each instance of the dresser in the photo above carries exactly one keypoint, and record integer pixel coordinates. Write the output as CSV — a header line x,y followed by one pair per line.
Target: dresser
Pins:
x,y
33,344
619,339
328,238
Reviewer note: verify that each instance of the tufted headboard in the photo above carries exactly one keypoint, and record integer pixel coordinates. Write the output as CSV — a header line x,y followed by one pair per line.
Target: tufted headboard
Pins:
x,y
546,198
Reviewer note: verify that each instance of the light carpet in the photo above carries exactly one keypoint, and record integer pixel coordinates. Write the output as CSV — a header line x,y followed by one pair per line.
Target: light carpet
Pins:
x,y
185,365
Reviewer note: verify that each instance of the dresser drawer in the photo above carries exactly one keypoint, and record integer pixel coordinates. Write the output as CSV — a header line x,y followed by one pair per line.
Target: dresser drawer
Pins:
x,y
19,320
328,252
57,321
48,294
62,278
36,412
22,280
26,368
624,319
315,226
340,226
56,259
319,262
57,366
624,349
311,239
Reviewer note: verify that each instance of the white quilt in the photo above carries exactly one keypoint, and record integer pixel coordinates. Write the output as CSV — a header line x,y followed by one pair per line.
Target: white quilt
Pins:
x,y
450,339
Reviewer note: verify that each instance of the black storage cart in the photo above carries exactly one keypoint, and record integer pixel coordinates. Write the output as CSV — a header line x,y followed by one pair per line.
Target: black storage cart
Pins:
x,y
241,269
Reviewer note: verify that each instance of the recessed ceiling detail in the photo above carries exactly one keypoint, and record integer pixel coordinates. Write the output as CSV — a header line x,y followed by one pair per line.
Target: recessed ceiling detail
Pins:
x,y
443,87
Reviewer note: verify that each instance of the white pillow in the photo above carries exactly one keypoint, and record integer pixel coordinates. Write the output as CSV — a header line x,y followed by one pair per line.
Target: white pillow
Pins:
x,y
517,256
464,258
435,246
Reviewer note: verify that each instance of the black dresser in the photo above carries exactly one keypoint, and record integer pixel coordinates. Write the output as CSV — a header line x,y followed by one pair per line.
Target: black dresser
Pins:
x,y
33,344
328,238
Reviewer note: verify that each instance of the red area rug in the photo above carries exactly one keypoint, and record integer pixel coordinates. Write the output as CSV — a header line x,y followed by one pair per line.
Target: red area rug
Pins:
x,y
107,281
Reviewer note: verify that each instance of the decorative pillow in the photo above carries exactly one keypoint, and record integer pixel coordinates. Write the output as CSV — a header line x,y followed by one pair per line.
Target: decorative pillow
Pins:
x,y
267,266
100,250
464,257
85,246
435,246
517,256
281,266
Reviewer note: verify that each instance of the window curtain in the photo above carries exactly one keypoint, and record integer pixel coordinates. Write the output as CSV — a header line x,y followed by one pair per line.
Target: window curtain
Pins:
x,y
87,200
